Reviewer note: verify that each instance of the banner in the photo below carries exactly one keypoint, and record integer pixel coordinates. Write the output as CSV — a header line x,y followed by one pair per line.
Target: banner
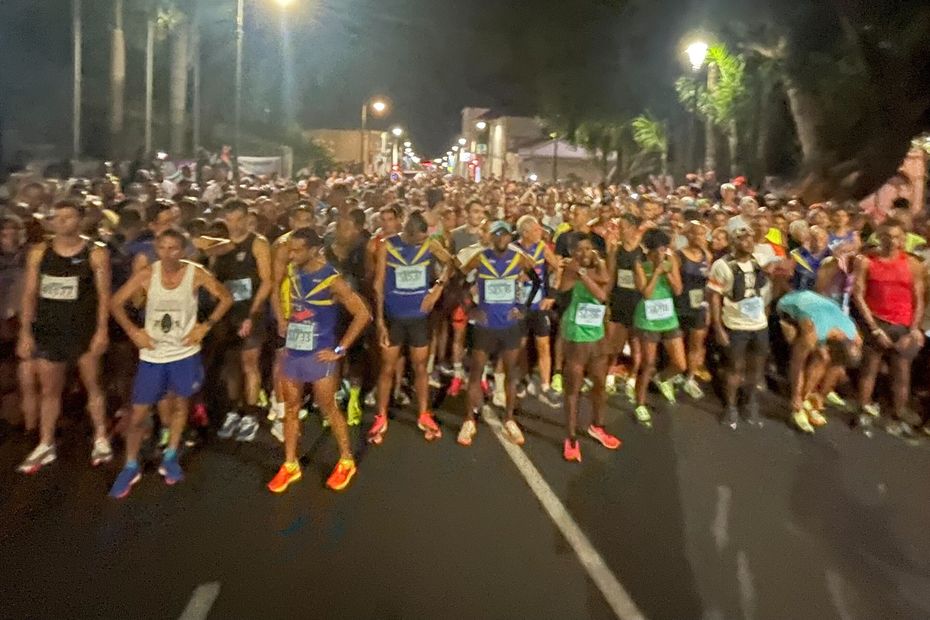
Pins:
x,y
263,166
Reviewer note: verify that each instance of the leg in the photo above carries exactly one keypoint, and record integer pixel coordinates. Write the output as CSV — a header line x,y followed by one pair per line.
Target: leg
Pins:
x,y
871,361
292,395
597,370
324,394
418,361
89,369
511,363
475,396
389,359
29,393
138,427
545,361
458,348
251,376
647,369
677,363
901,384
697,350
179,407
51,384
574,378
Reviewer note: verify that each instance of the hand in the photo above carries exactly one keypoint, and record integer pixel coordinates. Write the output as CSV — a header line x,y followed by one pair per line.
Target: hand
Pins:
x,y
196,335
547,303
569,266
25,346
328,355
479,316
384,338
245,329
141,339
429,300
723,338
918,337
516,314
98,344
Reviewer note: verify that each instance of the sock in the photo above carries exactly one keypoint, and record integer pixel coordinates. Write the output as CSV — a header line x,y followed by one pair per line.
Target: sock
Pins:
x,y
170,454
544,386
459,370
431,362
292,466
354,393
348,461
133,464
499,379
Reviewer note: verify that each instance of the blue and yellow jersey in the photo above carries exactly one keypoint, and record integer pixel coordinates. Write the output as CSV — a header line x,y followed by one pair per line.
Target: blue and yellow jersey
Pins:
x,y
407,279
497,285
307,300
537,252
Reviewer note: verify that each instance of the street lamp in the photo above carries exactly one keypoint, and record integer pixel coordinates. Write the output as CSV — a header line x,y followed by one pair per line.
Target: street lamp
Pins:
x,y
481,125
397,131
462,141
408,144
379,106
455,148
697,54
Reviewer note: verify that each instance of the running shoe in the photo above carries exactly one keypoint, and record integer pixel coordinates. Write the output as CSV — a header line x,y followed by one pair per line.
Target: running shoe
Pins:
x,y
513,432
801,422
342,475
277,430
816,418
164,436
909,417
401,399
485,386
551,397
531,388
872,410
468,432
667,388
692,389
102,452
926,428
199,417
731,417
171,470
455,386
42,455
371,399
378,429
610,385
631,389
556,384
836,400
643,416
230,425
499,399
444,369
606,439
753,416
285,476
427,424
435,380
128,476
302,413
248,428
571,450
354,408
521,390
703,375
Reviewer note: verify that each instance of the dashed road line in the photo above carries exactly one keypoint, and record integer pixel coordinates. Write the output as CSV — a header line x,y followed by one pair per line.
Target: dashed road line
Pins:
x,y
201,601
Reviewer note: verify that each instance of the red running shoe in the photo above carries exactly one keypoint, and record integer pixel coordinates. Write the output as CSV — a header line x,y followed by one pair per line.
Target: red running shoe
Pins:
x,y
571,451
606,439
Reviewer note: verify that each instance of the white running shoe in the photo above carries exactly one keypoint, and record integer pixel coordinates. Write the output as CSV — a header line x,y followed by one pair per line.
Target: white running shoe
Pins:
x,y
42,455
513,432
248,428
102,452
468,432
230,425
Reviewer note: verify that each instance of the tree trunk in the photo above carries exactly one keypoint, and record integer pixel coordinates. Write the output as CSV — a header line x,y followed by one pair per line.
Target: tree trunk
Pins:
x,y
806,115
149,81
733,144
179,66
117,75
195,62
710,131
763,129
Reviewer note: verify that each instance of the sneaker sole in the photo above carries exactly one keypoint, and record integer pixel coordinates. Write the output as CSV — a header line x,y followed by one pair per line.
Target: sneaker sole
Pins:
x,y
283,487
169,481
100,460
35,468
429,433
132,483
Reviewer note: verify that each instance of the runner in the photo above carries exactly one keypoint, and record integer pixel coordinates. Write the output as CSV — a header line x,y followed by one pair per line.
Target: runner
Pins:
x,y
658,279
497,328
244,267
465,236
310,298
823,341
695,261
405,294
170,367
739,292
586,279
538,319
624,297
889,296
65,320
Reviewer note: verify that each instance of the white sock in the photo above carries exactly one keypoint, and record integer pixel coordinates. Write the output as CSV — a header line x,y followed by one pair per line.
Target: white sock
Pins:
x,y
499,379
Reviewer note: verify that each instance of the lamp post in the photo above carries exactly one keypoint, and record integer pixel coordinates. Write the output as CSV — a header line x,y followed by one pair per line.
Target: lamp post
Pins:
x,y
240,24
379,106
697,56
397,132
77,36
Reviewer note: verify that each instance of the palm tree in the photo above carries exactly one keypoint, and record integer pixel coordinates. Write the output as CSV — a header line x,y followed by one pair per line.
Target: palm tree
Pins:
x,y
117,74
727,95
651,136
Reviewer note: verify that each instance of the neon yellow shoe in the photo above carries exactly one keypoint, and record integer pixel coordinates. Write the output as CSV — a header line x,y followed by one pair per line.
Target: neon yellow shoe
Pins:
x,y
801,422
836,400
556,384
262,399
354,407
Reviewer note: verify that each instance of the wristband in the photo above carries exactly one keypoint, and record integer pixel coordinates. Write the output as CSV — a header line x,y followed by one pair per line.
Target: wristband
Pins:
x,y
339,350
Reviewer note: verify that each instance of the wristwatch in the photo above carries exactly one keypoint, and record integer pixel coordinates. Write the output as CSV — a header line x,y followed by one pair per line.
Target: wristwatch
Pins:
x,y
582,271
339,350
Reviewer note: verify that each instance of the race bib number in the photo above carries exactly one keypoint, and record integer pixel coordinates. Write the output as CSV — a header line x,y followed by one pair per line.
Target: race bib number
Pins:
x,y
241,289
527,289
410,278
659,309
500,291
625,279
301,336
59,288
752,308
696,298
590,315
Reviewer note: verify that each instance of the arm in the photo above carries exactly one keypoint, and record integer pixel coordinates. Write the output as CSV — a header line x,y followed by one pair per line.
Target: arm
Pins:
x,y
825,276
205,279
596,280
279,258
213,246
361,316
261,250
442,255
716,304
100,263
647,288
134,288
920,281
25,347
674,274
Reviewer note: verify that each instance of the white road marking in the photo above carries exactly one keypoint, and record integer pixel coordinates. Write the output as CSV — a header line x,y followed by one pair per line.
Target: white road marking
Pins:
x,y
747,591
201,601
613,592
836,587
722,520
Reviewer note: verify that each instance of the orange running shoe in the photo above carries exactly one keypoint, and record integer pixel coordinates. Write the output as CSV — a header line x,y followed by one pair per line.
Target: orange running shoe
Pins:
x,y
285,476
571,451
427,424
342,475
378,429
606,439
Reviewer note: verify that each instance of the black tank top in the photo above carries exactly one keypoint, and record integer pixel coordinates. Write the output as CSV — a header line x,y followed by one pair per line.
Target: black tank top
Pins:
x,y
67,300
624,293
693,282
238,271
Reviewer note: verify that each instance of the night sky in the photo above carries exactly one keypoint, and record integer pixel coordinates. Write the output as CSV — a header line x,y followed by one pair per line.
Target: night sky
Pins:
x,y
431,57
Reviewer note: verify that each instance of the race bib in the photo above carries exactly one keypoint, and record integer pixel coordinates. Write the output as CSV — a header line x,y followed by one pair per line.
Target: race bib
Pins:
x,y
659,309
590,315
696,298
625,279
59,288
500,291
241,289
752,308
301,336
527,289
410,278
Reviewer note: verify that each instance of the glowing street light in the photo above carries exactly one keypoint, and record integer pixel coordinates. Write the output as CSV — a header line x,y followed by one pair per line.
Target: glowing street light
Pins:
x,y
408,144
697,54
455,148
378,105
285,3
462,141
397,131
481,125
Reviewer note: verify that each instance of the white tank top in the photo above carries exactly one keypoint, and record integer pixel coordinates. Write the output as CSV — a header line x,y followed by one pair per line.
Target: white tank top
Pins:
x,y
170,315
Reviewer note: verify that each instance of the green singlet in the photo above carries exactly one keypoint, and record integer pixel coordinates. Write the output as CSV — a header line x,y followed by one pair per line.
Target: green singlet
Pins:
x,y
583,321
656,314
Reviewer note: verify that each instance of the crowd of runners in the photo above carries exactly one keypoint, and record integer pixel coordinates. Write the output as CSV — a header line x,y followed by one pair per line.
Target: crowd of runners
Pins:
x,y
215,303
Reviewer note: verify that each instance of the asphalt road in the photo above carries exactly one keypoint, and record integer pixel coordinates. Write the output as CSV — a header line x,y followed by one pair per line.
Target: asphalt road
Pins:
x,y
692,519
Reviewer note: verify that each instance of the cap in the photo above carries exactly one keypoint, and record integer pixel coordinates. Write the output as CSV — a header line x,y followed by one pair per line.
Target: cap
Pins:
x,y
500,227
737,227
